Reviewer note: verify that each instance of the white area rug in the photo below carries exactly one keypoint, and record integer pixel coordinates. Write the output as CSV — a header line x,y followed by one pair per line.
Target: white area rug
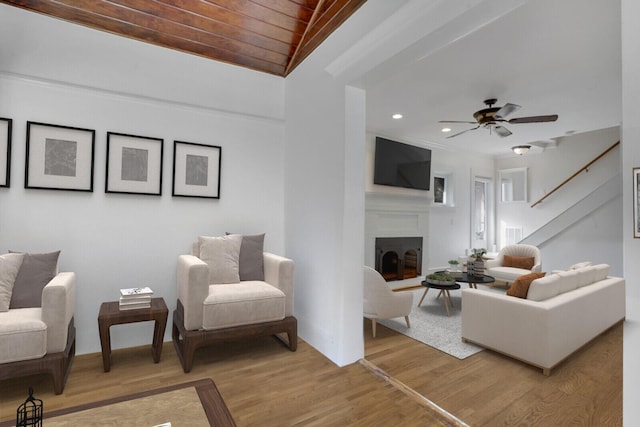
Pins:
x,y
431,325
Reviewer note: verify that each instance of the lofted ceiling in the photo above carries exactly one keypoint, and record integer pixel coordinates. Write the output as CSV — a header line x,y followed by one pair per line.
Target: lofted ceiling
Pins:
x,y
548,56
273,36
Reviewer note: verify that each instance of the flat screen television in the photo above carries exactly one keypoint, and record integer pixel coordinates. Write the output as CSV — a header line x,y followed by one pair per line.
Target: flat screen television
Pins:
x,y
401,165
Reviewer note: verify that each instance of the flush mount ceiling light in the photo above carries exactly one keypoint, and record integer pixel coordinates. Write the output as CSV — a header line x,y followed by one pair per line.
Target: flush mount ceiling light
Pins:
x,y
396,116
521,149
445,130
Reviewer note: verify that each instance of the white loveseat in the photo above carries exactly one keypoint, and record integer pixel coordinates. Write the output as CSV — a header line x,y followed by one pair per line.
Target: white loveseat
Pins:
x,y
562,312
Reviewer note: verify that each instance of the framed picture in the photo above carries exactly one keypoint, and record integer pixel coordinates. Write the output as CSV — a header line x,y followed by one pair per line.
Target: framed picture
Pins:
x,y
196,170
59,157
439,194
5,151
134,164
636,202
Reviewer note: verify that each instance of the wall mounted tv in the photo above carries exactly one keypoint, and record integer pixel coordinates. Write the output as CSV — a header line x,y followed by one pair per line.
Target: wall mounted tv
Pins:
x,y
401,165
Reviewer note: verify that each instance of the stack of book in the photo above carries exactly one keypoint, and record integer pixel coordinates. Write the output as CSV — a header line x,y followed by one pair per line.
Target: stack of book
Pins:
x,y
135,298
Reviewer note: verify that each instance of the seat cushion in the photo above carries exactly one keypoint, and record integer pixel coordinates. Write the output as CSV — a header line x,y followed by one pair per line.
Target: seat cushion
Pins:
x,y
23,335
508,274
242,303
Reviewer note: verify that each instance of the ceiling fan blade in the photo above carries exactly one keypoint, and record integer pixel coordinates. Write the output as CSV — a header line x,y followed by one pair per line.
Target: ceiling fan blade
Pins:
x,y
506,110
456,121
460,133
502,131
535,119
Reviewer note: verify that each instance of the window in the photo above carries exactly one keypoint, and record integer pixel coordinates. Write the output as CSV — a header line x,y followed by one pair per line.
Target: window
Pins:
x,y
481,213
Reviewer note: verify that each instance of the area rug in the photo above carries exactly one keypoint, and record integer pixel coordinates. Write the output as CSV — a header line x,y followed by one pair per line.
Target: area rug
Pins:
x,y
196,403
431,325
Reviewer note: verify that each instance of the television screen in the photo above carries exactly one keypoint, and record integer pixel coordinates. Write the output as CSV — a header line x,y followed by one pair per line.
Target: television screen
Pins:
x,y
401,165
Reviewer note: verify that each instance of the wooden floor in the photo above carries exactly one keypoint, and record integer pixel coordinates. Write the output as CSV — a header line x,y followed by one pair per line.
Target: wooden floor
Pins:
x,y
264,384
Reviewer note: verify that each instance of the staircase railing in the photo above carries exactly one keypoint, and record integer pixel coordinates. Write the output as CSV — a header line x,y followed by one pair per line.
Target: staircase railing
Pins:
x,y
585,167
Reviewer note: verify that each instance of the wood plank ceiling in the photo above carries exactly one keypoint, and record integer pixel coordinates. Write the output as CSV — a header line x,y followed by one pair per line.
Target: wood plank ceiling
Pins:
x,y
273,36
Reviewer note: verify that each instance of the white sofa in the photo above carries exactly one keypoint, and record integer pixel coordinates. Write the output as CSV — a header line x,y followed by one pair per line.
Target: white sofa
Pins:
x,y
562,312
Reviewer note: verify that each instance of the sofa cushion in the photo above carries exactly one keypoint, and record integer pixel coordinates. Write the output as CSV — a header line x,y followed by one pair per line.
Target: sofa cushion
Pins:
x,y
251,257
526,263
601,272
520,287
508,274
9,266
586,275
568,282
544,288
35,272
222,255
580,265
23,335
243,303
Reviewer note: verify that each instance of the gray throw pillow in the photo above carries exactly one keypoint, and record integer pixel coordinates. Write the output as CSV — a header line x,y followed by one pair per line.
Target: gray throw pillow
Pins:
x,y
251,257
35,272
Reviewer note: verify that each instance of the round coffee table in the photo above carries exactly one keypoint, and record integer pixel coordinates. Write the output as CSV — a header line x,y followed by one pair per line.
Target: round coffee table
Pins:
x,y
444,291
474,280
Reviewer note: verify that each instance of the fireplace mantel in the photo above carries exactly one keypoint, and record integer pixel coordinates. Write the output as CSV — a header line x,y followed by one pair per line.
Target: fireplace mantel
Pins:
x,y
395,215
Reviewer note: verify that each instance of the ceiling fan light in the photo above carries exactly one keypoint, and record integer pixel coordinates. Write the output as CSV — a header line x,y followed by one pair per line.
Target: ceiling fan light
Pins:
x,y
521,149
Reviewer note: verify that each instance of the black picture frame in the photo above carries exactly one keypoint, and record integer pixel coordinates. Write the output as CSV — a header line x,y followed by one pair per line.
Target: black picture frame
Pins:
x,y
5,151
134,164
196,170
59,157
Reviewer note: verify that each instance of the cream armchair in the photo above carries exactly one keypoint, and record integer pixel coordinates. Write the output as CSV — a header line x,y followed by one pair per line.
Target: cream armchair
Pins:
x,y
513,261
41,340
380,302
212,313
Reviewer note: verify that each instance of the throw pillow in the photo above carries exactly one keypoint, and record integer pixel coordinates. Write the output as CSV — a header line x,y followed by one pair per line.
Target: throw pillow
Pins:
x,y
222,256
580,265
35,272
9,266
520,287
518,262
251,257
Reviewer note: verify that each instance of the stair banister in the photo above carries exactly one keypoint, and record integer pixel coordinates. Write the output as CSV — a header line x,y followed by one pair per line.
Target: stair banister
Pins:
x,y
585,167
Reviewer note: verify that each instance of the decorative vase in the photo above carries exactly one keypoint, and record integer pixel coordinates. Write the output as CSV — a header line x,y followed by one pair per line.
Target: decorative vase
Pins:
x,y
475,267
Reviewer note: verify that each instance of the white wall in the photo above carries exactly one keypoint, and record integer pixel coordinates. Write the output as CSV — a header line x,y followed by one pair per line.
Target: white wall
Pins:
x,y
117,240
630,159
596,238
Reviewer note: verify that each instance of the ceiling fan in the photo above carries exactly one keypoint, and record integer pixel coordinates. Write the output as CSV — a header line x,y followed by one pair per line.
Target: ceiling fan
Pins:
x,y
493,117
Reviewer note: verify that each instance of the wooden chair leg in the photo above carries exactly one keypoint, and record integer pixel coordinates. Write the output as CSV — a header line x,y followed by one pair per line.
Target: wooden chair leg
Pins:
x,y
406,318
373,327
423,295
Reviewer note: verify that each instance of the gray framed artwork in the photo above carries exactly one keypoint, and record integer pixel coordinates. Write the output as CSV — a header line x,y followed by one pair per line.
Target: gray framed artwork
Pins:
x,y
59,157
196,170
5,152
134,164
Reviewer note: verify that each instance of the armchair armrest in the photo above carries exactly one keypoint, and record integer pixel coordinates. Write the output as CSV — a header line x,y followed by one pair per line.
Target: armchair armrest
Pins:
x,y
58,307
278,272
536,268
193,288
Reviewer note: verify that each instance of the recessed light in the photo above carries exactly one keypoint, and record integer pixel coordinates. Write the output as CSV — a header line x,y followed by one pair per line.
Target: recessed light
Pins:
x,y
397,116
445,130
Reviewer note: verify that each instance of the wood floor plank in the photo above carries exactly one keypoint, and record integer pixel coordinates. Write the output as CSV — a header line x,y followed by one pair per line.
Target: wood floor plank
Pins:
x,y
264,384
490,389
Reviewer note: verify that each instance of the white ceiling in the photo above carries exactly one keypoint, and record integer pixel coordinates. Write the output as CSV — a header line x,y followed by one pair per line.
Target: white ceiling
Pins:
x,y
548,56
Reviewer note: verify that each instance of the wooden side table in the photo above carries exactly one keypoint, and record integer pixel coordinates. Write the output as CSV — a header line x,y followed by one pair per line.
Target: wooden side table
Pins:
x,y
110,314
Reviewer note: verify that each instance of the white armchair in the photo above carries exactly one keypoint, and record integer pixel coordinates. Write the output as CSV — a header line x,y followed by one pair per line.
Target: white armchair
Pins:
x,y
514,261
380,302
41,340
209,313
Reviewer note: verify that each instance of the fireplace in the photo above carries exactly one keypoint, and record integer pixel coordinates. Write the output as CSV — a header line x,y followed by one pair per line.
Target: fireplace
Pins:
x,y
399,258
